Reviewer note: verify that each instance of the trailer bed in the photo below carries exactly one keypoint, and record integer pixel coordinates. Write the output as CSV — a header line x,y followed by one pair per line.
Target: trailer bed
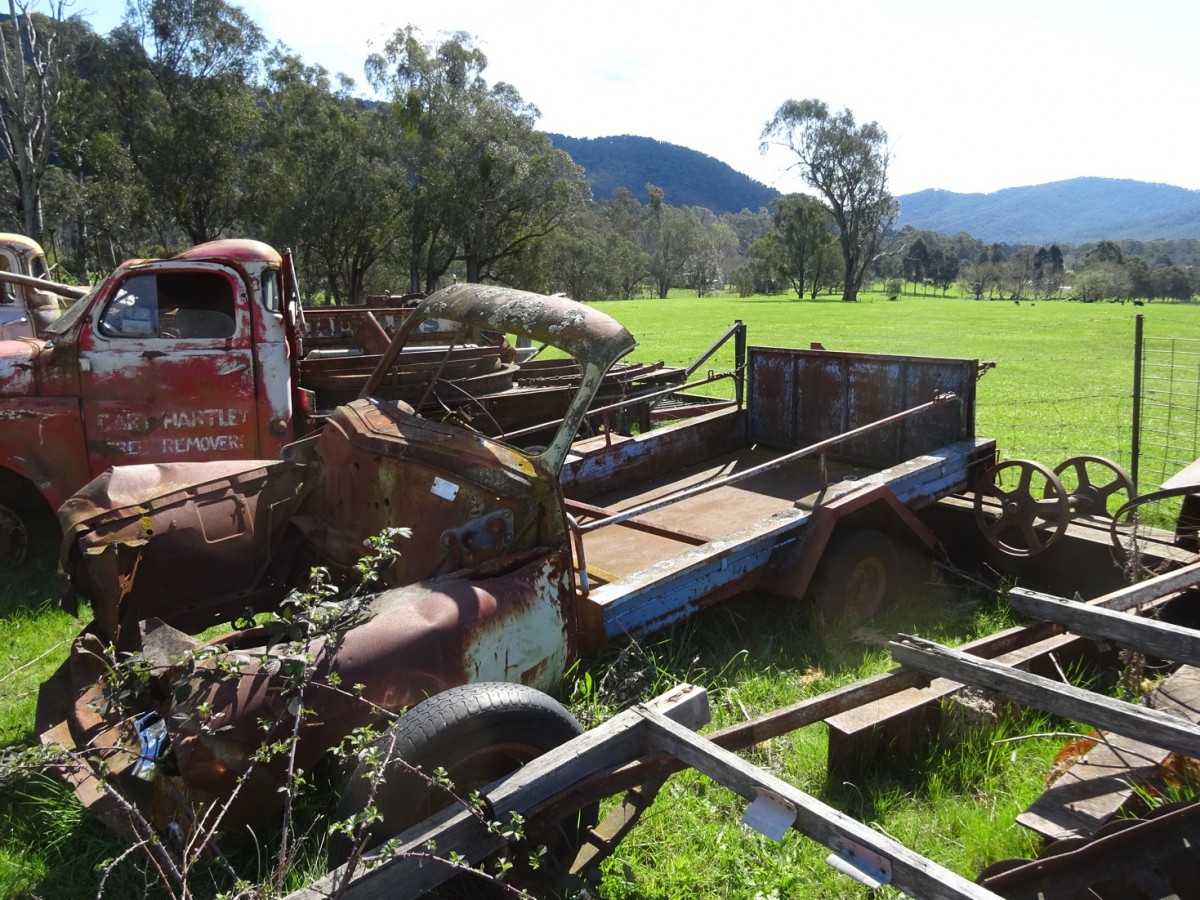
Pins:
x,y
617,550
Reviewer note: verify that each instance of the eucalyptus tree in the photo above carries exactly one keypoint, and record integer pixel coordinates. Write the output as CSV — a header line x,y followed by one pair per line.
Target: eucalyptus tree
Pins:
x,y
513,187
32,72
323,178
803,230
182,96
674,237
847,164
627,259
483,186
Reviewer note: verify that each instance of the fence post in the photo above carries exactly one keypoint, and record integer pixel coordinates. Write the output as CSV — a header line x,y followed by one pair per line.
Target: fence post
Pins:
x,y
1135,449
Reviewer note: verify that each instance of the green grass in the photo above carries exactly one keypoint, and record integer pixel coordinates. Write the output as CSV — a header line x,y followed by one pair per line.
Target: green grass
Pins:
x,y
1061,388
1063,382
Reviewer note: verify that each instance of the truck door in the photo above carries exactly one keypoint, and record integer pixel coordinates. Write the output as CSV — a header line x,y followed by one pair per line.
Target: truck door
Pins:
x,y
167,369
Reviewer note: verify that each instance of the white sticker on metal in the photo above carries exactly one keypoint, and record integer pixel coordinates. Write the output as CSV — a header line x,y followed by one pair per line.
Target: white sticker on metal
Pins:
x,y
447,490
769,814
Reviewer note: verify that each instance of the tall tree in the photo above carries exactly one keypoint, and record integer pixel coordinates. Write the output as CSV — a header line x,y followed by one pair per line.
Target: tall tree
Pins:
x,y
674,235
432,88
31,73
847,164
323,173
186,107
514,187
802,229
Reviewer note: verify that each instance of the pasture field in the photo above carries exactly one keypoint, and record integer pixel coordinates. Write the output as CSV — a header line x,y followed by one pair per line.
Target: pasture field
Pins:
x,y
1063,381
1061,387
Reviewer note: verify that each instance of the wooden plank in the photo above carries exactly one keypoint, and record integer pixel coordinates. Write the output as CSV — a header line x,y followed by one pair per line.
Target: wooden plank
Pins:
x,y
1097,786
411,872
1151,589
849,729
1064,700
1019,645
911,872
1152,636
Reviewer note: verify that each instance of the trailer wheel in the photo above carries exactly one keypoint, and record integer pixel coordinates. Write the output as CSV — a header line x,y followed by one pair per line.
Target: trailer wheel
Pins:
x,y
859,575
476,733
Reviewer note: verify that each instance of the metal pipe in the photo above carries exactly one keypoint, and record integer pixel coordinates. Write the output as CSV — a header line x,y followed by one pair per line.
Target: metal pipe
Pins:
x,y
652,505
621,404
1135,449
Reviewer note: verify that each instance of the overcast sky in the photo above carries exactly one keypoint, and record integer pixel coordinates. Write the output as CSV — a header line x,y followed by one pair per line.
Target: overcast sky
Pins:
x,y
974,96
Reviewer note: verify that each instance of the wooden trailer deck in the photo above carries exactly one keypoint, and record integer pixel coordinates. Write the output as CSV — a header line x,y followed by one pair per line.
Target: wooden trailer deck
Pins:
x,y
616,551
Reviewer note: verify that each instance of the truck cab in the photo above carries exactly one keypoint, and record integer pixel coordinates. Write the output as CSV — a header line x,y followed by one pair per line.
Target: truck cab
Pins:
x,y
25,309
175,360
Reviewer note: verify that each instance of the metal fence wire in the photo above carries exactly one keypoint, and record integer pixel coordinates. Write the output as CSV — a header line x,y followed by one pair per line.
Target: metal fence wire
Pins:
x,y
1166,415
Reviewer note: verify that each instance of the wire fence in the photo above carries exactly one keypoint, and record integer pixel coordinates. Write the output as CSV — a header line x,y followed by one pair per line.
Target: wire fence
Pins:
x,y
1167,418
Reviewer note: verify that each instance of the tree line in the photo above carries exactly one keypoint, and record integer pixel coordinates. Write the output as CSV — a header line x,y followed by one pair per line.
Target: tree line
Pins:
x,y
184,124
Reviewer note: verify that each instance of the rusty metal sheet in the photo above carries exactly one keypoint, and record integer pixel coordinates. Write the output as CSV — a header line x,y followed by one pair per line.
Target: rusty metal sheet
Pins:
x,y
509,621
593,339
188,543
18,373
597,467
43,443
1150,857
377,466
800,397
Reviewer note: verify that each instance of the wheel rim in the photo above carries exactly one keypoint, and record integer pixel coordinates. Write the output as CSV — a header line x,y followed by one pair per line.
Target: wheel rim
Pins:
x,y
1091,481
472,772
866,587
1030,516
14,538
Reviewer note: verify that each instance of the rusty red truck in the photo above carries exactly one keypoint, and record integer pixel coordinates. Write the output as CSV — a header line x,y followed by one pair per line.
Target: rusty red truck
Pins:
x,y
204,356
29,302
532,543
180,359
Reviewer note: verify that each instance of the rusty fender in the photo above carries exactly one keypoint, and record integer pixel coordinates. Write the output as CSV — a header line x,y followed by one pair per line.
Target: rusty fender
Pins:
x,y
414,642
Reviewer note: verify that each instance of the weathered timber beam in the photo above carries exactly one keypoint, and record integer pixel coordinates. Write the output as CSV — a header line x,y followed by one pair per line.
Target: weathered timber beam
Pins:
x,y
410,871
1152,588
1163,639
1068,701
910,872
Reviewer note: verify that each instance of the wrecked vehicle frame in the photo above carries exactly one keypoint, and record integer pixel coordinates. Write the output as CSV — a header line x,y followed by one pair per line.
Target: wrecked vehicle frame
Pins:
x,y
519,560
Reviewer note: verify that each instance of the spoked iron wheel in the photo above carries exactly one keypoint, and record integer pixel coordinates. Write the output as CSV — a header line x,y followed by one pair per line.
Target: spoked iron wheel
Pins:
x,y
1031,508
1094,484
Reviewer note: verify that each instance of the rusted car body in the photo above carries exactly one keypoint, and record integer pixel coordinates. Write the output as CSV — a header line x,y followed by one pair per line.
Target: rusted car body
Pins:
x,y
525,551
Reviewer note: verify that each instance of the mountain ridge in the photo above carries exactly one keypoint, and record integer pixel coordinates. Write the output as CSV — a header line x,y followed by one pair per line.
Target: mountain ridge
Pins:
x,y
687,177
1076,210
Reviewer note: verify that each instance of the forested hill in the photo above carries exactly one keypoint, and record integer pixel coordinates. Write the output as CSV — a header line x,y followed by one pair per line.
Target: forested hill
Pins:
x,y
687,177
1072,212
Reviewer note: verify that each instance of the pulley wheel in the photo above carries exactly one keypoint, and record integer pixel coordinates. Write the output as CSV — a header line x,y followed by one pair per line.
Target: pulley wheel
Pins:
x,y
1091,481
1033,507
